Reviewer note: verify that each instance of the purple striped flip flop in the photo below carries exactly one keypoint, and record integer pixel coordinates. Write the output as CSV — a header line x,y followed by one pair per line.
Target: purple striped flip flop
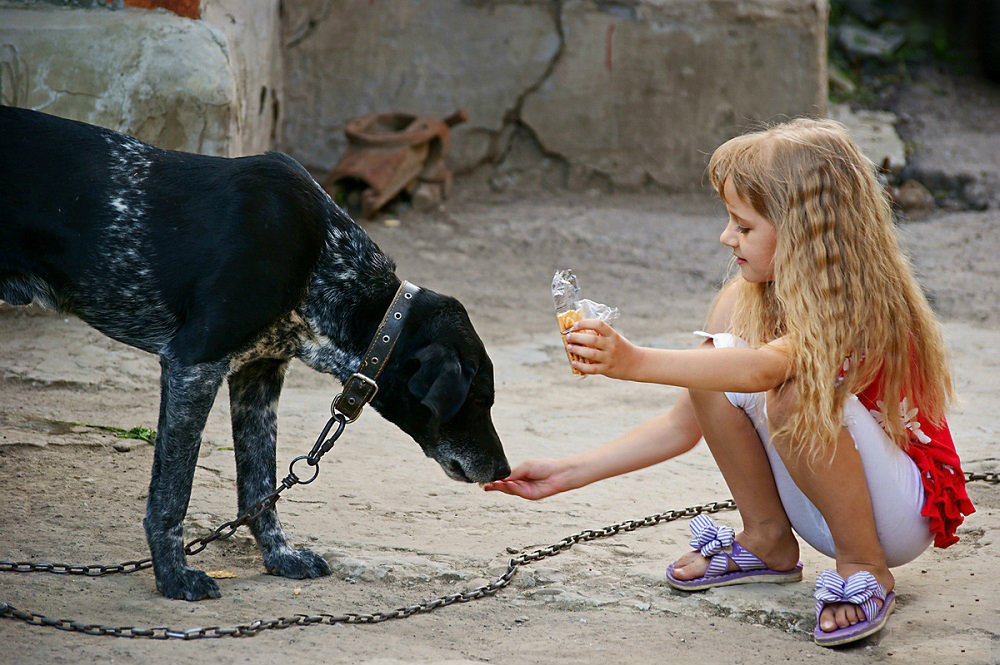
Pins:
x,y
861,589
718,543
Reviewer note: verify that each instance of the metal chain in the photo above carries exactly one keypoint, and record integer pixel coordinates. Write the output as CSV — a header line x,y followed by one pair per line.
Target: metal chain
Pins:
x,y
260,625
991,477
222,532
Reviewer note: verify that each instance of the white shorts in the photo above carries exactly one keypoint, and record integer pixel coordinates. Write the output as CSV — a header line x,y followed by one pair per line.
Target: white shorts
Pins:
x,y
893,479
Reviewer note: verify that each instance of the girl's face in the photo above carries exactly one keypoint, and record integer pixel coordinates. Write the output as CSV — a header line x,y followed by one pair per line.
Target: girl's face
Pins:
x,y
751,236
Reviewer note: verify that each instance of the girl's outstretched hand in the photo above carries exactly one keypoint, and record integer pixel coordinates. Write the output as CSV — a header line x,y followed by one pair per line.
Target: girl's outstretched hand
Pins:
x,y
534,479
607,350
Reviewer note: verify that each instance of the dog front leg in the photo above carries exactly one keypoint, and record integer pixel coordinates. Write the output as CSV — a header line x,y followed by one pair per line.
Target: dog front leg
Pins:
x,y
186,397
253,397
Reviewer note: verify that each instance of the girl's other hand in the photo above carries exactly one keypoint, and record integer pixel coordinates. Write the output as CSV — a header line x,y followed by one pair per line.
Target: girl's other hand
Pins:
x,y
534,479
607,350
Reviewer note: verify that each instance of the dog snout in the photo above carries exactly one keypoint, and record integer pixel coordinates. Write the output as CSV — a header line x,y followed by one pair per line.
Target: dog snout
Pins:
x,y
492,465
472,467
496,471
502,470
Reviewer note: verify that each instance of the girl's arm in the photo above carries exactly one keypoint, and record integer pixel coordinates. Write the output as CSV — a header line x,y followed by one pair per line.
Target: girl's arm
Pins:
x,y
654,441
736,370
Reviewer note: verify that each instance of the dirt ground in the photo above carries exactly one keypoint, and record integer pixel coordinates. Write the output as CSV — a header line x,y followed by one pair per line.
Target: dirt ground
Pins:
x,y
396,531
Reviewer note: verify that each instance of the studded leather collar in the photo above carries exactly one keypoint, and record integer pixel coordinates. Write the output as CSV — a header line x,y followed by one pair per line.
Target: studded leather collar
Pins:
x,y
362,386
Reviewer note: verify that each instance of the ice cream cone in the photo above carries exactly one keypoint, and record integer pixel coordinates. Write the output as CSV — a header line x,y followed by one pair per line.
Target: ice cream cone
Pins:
x,y
566,321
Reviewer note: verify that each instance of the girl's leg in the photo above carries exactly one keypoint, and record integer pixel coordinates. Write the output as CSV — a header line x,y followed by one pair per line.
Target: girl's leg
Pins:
x,y
838,489
738,451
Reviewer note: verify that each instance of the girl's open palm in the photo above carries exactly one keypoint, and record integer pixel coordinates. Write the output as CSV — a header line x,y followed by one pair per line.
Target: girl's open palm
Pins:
x,y
534,479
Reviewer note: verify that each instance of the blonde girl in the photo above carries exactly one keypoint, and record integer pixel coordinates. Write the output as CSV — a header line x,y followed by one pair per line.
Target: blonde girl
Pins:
x,y
820,388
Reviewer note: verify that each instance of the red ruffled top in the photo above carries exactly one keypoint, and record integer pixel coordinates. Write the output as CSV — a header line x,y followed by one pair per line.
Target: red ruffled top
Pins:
x,y
933,451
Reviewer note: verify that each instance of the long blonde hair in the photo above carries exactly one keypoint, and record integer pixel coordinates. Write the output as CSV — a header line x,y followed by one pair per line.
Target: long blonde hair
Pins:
x,y
842,287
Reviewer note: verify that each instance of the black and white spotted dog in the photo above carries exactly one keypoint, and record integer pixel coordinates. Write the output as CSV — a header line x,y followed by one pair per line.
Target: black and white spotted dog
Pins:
x,y
228,269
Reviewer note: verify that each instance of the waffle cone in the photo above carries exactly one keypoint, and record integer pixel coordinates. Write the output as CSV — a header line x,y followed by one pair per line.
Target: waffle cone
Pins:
x,y
566,321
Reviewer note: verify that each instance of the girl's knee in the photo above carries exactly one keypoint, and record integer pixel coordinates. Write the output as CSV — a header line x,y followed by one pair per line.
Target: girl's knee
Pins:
x,y
701,398
711,402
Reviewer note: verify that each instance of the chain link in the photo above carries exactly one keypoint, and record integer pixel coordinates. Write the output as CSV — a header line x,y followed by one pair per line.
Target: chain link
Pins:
x,y
260,625
991,477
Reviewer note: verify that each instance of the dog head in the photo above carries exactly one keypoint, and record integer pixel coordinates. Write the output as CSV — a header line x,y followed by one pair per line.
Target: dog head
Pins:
x,y
438,388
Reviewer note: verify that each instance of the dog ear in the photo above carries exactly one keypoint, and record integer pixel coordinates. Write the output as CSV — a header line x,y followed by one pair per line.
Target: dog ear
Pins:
x,y
440,383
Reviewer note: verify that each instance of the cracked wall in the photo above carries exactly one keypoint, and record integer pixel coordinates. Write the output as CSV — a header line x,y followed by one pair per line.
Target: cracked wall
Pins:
x,y
346,59
629,93
624,93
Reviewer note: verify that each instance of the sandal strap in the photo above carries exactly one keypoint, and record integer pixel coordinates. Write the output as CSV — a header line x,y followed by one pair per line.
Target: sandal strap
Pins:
x,y
745,559
710,538
861,589
718,544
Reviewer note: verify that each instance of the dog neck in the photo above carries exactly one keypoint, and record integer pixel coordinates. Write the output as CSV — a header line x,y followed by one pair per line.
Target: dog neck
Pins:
x,y
353,284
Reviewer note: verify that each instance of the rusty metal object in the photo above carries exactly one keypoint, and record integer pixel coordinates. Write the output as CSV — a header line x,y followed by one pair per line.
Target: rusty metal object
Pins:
x,y
389,153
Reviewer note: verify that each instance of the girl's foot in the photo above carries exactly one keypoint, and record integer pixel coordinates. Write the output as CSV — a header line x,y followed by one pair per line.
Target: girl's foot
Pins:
x,y
841,615
780,553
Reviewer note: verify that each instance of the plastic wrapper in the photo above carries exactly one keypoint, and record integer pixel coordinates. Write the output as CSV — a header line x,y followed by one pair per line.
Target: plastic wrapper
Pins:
x,y
571,307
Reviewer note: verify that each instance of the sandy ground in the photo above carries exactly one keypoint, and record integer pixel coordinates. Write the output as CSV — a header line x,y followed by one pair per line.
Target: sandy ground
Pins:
x,y
397,531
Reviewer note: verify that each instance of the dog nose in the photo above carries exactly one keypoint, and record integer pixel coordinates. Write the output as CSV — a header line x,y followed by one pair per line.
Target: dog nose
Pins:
x,y
502,470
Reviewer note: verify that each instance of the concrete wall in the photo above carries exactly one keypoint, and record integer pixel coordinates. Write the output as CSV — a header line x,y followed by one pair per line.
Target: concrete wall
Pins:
x,y
627,93
623,93
211,86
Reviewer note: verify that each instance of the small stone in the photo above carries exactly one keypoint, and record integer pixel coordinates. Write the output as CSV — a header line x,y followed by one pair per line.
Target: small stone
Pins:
x,y
913,197
839,80
860,43
427,197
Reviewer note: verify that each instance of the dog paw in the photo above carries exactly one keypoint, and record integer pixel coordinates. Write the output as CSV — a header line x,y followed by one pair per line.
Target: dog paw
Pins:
x,y
188,584
297,564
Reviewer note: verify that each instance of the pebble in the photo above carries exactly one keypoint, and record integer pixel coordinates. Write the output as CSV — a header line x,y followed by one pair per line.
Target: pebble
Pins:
x,y
913,197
